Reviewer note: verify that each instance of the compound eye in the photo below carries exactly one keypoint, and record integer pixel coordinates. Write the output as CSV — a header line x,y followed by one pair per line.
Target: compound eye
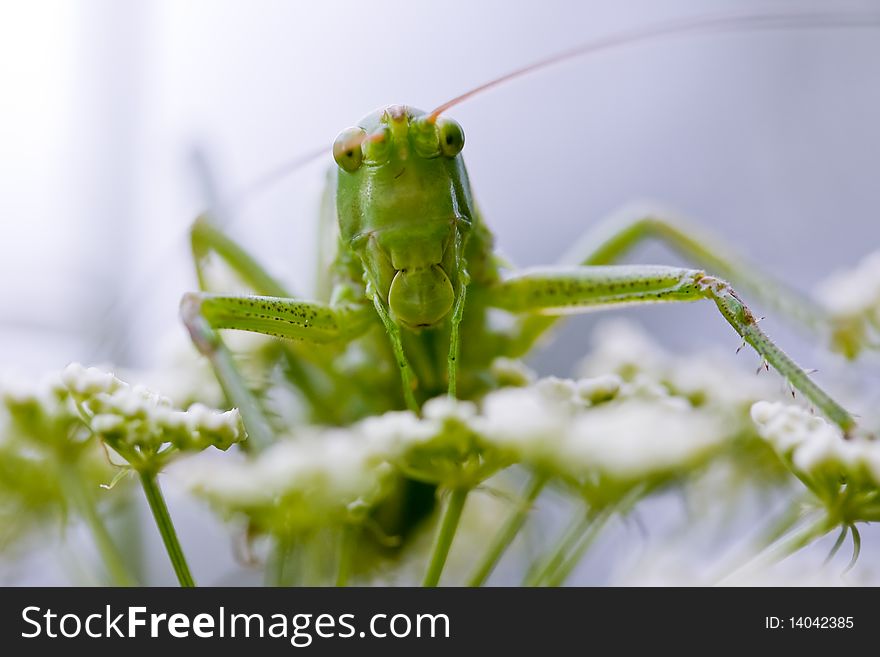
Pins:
x,y
451,137
377,146
425,138
347,149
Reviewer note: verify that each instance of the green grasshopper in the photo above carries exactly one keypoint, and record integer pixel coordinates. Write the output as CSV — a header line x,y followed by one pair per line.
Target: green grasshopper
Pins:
x,y
415,281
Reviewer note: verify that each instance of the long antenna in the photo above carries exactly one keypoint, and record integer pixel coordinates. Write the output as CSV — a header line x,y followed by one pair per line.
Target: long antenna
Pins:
x,y
710,25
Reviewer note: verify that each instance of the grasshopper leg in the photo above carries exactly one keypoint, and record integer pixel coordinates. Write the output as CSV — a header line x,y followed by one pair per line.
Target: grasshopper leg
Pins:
x,y
306,368
455,338
616,236
406,374
207,238
315,322
565,290
619,234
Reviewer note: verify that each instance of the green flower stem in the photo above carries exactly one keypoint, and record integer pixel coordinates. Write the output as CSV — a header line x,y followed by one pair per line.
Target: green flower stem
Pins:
x,y
599,519
556,556
558,577
274,573
166,527
347,545
794,541
259,432
508,531
282,569
316,561
76,491
445,534
786,546
790,517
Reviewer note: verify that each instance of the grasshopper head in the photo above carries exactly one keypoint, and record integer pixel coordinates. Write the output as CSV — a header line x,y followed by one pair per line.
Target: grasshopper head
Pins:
x,y
404,207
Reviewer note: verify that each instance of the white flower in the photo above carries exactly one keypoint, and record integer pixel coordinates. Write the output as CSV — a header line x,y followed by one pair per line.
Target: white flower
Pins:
x,y
129,417
16,390
445,408
394,432
815,447
40,411
511,372
316,479
855,291
106,423
706,379
636,439
852,299
599,388
526,422
633,431
87,381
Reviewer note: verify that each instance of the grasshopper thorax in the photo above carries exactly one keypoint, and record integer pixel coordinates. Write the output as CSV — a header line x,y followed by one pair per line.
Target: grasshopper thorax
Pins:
x,y
404,207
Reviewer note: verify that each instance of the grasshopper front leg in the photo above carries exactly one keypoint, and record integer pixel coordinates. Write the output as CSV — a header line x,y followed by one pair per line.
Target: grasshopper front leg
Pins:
x,y
306,368
207,238
315,322
565,290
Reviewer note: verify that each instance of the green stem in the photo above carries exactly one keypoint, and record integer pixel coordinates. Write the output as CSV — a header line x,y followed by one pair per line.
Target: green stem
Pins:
x,y
508,531
347,544
76,490
259,432
781,526
556,557
558,577
599,519
445,534
166,527
276,567
786,546
313,568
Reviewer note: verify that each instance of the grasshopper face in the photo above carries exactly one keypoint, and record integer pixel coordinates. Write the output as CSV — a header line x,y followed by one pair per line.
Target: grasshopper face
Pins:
x,y
404,207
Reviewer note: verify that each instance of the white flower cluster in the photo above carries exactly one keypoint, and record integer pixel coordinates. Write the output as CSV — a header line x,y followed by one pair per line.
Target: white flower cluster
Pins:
x,y
332,475
48,391
600,428
855,291
39,411
324,475
511,372
581,431
317,479
816,449
136,421
852,298
41,437
713,380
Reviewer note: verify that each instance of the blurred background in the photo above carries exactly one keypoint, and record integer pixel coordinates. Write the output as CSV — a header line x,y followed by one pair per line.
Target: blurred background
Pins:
x,y
769,139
